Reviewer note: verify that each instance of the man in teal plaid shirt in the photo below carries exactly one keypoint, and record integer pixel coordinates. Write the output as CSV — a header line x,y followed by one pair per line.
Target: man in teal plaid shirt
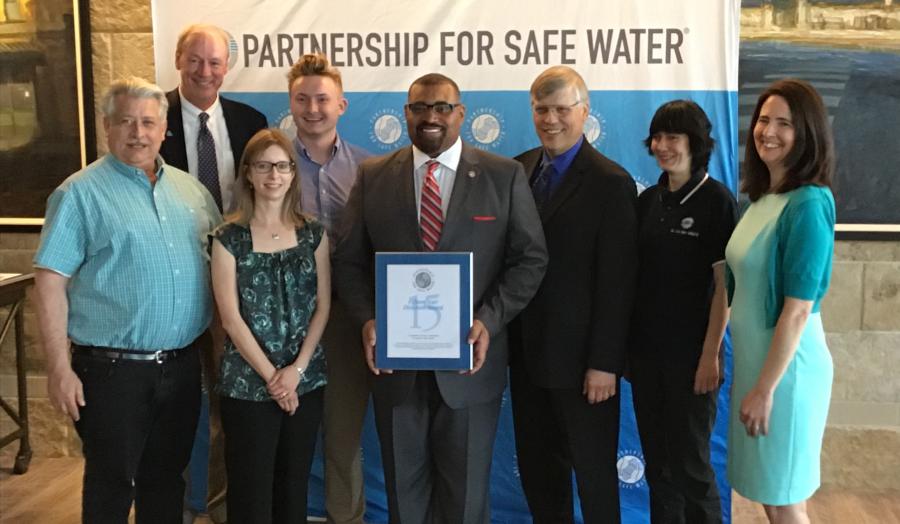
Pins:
x,y
122,273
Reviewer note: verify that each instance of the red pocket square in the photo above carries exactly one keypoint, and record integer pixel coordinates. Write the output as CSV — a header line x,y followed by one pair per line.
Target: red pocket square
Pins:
x,y
484,218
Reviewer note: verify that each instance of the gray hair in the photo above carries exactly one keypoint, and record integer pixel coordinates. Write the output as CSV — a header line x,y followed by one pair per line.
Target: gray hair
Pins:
x,y
559,77
194,29
133,87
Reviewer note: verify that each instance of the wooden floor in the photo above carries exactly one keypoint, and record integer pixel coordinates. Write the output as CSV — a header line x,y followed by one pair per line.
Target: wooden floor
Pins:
x,y
50,493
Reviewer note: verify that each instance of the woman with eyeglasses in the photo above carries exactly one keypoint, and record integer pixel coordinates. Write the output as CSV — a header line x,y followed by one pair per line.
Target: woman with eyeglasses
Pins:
x,y
680,315
779,262
271,279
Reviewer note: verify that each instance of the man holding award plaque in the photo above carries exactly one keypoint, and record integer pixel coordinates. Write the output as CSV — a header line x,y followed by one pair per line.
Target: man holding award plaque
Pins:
x,y
441,196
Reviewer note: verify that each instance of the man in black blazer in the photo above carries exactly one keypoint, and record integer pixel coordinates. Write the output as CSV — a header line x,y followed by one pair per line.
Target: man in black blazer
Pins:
x,y
437,427
201,57
567,346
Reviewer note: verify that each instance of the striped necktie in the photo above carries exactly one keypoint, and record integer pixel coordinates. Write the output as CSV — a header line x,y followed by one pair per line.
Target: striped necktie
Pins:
x,y
207,165
431,218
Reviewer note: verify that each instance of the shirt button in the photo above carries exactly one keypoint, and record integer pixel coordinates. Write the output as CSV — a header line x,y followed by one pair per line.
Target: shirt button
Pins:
x,y
163,218
177,271
171,244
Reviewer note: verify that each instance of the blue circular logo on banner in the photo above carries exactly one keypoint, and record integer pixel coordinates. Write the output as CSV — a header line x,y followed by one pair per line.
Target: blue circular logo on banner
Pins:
x,y
286,124
232,50
595,128
485,128
386,129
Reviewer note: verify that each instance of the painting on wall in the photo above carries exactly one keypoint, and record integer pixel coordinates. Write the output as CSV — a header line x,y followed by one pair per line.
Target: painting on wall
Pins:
x,y
44,96
849,50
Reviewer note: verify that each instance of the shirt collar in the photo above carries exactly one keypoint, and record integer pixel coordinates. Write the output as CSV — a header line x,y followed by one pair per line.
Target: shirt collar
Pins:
x,y
686,191
195,111
448,159
127,169
562,162
301,147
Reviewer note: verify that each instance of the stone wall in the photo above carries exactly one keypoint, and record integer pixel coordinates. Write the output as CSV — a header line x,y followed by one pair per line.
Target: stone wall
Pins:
x,y
862,442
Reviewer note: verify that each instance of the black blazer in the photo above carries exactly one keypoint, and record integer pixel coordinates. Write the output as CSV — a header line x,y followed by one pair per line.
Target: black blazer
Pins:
x,y
491,214
241,120
579,317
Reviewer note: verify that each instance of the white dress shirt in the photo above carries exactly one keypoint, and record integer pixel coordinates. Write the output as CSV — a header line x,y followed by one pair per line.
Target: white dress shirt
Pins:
x,y
190,116
445,174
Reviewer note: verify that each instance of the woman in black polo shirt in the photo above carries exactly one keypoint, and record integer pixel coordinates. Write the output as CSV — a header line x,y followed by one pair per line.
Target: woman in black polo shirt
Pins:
x,y
680,315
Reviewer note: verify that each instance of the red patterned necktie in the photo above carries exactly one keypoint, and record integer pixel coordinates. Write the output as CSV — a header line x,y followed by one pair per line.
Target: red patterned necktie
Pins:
x,y
431,218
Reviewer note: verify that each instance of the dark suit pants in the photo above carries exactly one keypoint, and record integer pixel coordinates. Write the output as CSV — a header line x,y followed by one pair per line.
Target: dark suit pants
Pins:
x,y
556,431
268,454
137,430
437,460
674,425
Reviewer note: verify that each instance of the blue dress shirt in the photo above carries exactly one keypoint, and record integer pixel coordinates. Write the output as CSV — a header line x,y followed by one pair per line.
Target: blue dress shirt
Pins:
x,y
325,188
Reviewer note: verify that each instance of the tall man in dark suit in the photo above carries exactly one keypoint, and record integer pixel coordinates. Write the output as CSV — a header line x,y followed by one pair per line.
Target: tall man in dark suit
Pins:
x,y
206,137
568,345
208,147
437,428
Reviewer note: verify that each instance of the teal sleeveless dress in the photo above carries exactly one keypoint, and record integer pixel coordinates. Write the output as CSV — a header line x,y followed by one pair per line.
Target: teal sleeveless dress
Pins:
x,y
782,246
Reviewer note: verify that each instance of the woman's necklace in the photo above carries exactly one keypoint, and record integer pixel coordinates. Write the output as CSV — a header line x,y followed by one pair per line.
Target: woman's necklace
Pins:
x,y
276,235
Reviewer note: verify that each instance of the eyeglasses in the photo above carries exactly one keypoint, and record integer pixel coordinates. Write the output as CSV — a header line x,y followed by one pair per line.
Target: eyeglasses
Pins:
x,y
263,166
561,111
441,108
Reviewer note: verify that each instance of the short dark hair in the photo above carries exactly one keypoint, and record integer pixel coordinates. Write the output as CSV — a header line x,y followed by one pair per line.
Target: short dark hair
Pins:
x,y
810,160
685,117
434,79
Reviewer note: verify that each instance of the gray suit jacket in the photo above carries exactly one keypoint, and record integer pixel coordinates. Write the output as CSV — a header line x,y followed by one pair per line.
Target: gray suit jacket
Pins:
x,y
491,214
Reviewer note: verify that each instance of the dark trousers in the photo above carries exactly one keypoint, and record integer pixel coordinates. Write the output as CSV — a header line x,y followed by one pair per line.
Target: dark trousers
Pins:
x,y
558,431
437,460
137,429
268,454
674,426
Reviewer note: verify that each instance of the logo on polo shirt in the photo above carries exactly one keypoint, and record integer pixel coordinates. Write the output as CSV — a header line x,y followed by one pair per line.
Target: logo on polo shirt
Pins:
x,y
386,129
631,469
485,128
687,222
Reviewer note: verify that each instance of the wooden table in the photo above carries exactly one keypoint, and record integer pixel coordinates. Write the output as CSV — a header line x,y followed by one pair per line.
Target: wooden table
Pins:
x,y
12,295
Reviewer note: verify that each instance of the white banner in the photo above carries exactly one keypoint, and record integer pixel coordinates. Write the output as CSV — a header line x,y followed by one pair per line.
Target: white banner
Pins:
x,y
497,45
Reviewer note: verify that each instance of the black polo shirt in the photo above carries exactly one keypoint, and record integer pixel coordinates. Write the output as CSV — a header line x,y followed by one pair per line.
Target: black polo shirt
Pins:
x,y
682,234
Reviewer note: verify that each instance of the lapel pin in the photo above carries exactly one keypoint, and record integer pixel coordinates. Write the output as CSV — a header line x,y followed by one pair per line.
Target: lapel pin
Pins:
x,y
471,174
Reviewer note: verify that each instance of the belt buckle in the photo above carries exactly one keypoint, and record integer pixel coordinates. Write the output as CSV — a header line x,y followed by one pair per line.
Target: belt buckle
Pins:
x,y
158,357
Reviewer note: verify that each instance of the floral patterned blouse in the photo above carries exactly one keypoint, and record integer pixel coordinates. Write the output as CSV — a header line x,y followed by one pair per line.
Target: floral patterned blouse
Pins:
x,y
277,297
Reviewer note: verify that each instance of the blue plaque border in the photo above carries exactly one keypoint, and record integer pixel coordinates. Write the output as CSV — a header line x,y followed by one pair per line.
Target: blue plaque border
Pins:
x,y
464,263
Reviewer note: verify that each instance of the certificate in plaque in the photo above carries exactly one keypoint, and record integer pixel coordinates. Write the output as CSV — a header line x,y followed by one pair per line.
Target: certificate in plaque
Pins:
x,y
423,310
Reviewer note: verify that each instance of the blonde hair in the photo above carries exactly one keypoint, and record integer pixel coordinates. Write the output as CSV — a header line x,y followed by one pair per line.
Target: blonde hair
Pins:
x,y
291,211
194,29
556,78
314,64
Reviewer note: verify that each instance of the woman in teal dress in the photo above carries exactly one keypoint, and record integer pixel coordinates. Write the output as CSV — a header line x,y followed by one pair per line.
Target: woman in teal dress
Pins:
x,y
779,262
270,272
